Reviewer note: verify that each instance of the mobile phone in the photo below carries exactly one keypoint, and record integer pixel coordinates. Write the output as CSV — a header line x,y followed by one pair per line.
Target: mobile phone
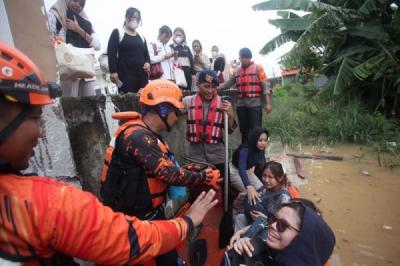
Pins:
x,y
226,98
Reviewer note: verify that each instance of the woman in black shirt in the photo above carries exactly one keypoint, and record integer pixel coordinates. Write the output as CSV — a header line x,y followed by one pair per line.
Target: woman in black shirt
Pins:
x,y
128,57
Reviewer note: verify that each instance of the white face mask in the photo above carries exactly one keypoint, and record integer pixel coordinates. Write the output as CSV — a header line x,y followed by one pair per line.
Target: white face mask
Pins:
x,y
214,54
133,24
178,39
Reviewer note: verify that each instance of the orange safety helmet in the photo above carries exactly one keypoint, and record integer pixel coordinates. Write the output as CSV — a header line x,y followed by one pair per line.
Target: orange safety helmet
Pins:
x,y
162,91
21,81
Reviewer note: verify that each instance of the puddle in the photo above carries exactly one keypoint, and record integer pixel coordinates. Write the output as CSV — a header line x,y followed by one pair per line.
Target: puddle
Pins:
x,y
358,198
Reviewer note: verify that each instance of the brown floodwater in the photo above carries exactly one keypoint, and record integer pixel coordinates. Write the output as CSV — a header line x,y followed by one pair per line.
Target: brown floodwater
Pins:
x,y
358,198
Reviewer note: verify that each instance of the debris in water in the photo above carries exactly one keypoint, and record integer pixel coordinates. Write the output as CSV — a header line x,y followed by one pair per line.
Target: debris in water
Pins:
x,y
365,246
299,169
316,156
387,227
367,253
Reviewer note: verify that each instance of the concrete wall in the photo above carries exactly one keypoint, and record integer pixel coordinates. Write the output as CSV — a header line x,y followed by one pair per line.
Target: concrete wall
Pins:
x,y
27,25
53,154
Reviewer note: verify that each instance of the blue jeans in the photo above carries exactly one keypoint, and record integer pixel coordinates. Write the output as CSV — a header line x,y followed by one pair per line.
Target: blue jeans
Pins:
x,y
249,118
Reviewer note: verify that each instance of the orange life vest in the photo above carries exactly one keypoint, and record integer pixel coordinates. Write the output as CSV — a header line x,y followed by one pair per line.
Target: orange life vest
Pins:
x,y
248,82
293,191
200,129
116,182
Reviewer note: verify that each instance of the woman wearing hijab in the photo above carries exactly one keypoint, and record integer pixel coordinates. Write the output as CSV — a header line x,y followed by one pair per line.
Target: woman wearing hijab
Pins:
x,y
69,22
183,56
247,163
297,236
128,56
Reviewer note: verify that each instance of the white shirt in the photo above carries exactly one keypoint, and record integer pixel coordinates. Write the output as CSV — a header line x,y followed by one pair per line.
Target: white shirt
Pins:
x,y
166,64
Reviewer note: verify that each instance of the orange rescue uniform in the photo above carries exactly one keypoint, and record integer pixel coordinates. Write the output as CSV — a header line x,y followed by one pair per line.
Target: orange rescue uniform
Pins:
x,y
39,216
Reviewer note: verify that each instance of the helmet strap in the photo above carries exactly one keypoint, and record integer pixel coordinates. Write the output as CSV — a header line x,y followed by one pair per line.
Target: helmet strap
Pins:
x,y
13,125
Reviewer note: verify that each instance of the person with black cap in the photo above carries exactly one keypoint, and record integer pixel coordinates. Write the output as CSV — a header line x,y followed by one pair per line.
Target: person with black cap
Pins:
x,y
205,121
252,83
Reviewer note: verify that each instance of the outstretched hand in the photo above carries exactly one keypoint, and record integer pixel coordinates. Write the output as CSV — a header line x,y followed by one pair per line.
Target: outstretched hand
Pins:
x,y
200,207
238,234
253,195
244,246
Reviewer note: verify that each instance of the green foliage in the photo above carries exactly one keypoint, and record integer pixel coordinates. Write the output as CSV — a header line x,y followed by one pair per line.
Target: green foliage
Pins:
x,y
355,41
279,91
344,75
303,5
308,115
279,40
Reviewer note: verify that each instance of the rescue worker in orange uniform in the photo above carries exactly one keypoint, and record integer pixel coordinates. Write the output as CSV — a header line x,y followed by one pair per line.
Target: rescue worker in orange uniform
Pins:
x,y
40,216
252,84
139,165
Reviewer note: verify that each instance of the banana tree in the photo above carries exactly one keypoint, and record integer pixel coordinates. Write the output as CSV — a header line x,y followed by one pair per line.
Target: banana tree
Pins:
x,y
356,41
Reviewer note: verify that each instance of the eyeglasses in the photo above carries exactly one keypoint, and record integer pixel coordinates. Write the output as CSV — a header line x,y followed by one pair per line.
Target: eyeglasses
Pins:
x,y
281,225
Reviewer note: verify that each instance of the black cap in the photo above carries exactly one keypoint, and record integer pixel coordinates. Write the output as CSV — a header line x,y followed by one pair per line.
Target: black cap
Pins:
x,y
245,53
209,76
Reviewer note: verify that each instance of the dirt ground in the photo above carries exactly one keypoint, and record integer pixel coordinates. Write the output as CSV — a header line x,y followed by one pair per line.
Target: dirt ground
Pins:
x,y
359,200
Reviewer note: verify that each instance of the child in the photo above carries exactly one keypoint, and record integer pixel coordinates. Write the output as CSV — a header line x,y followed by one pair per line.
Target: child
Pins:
x,y
272,195
246,161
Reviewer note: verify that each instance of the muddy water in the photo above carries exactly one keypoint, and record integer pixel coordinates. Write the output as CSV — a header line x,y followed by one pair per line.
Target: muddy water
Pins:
x,y
359,199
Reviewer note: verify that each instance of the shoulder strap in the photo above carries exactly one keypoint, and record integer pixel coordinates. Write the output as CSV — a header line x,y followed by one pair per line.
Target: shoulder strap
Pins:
x,y
121,33
58,26
154,48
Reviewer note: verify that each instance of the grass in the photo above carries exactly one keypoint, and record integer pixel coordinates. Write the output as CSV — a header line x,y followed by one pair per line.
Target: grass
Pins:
x,y
307,115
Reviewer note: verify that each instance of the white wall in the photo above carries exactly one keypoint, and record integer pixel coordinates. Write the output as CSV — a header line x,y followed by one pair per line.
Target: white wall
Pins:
x,y
5,32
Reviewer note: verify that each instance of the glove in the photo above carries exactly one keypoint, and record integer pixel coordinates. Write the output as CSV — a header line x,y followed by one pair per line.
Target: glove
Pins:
x,y
212,178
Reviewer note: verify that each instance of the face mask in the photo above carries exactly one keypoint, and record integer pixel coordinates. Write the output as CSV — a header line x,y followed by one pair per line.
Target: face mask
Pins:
x,y
178,39
214,54
133,24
